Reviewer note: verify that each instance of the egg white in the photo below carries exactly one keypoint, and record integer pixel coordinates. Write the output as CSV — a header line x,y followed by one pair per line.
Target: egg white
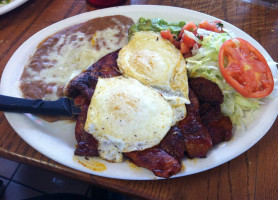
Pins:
x,y
125,115
156,62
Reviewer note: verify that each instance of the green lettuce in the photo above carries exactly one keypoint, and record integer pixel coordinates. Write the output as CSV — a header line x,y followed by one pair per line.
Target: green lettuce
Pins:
x,y
205,64
156,25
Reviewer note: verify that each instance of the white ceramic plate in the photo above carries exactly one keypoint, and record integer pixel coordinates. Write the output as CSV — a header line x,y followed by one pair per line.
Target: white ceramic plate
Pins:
x,y
56,140
10,6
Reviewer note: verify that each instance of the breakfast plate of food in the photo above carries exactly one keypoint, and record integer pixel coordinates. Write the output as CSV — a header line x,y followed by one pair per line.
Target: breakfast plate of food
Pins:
x,y
8,5
161,94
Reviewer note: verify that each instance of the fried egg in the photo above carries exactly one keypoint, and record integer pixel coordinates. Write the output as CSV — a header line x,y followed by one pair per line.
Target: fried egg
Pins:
x,y
156,62
124,115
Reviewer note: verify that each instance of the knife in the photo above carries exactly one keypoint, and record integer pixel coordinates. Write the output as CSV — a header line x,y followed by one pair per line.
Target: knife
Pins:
x,y
60,107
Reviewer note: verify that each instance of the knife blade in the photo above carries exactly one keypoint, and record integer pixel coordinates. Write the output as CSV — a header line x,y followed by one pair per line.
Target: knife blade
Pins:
x,y
60,107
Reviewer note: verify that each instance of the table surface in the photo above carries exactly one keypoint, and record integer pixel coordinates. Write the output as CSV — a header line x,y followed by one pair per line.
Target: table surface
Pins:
x,y
252,175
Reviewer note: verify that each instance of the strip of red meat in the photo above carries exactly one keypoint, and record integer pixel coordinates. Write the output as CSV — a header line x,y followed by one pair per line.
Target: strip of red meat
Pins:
x,y
173,143
87,145
163,160
220,130
210,96
219,126
197,139
158,161
206,90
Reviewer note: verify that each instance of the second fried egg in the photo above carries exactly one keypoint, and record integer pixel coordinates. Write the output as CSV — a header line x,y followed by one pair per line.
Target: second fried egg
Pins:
x,y
156,62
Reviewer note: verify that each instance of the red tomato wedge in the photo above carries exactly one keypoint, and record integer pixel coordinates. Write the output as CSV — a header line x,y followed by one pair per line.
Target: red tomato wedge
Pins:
x,y
245,68
210,26
190,26
186,44
166,34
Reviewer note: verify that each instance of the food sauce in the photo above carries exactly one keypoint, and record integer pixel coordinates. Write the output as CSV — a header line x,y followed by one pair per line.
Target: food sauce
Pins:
x,y
90,163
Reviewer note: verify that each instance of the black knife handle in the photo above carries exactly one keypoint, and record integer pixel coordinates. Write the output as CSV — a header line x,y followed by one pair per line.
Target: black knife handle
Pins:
x,y
59,107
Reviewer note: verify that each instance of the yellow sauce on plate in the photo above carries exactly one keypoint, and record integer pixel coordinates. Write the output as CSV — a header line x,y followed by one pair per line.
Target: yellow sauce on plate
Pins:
x,y
90,163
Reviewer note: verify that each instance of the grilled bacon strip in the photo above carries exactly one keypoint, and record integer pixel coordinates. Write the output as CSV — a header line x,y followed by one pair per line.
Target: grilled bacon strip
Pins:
x,y
220,130
158,161
206,91
173,143
87,145
210,97
197,139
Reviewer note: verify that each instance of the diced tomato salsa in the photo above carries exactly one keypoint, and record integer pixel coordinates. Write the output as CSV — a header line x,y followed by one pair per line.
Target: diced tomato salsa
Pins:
x,y
186,43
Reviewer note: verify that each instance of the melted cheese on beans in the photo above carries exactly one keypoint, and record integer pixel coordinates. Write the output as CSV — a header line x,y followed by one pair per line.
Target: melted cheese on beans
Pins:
x,y
62,56
69,57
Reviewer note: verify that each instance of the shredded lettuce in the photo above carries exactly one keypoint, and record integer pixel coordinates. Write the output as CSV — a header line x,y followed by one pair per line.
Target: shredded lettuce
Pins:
x,y
204,63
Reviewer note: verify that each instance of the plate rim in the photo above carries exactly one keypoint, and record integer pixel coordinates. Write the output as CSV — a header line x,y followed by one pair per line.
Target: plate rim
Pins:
x,y
10,6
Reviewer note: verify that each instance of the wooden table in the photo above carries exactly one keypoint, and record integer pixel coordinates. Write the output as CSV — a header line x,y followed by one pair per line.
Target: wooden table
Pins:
x,y
252,175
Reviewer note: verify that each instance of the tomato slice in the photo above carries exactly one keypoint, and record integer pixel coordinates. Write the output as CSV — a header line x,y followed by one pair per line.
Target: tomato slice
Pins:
x,y
245,68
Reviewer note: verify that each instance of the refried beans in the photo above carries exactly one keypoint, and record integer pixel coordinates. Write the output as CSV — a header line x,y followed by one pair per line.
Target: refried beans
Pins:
x,y
62,56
